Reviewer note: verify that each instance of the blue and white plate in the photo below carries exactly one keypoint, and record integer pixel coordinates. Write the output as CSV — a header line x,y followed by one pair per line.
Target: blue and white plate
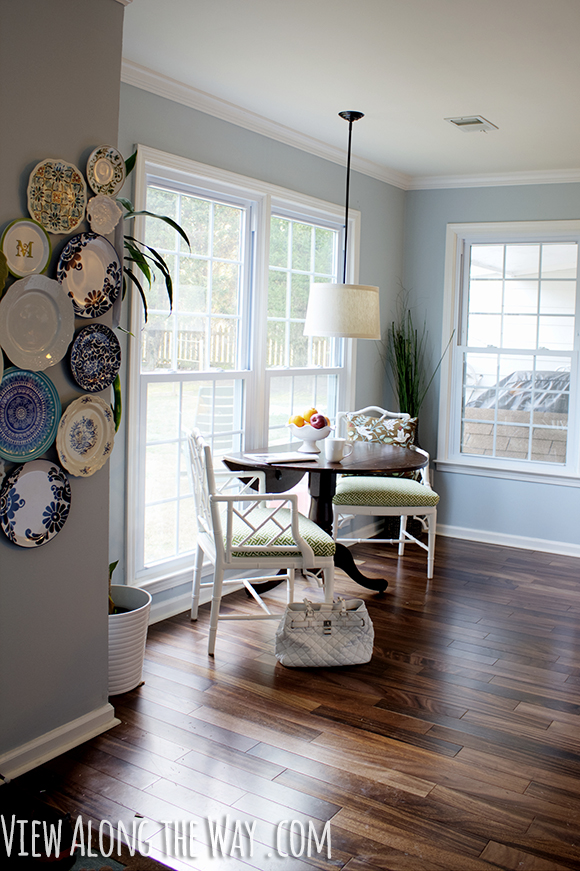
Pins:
x,y
86,435
29,414
91,272
34,503
95,357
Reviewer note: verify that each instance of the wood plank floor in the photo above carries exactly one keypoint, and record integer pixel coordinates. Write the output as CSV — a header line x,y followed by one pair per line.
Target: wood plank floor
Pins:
x,y
457,748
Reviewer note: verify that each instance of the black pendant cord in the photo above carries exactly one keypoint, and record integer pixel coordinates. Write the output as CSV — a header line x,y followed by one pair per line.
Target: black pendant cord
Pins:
x,y
350,117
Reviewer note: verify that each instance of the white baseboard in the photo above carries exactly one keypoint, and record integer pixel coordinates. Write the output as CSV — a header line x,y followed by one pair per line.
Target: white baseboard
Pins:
x,y
486,536
45,747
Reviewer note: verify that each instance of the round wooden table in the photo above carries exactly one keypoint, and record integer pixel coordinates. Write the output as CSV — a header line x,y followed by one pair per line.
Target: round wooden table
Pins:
x,y
367,458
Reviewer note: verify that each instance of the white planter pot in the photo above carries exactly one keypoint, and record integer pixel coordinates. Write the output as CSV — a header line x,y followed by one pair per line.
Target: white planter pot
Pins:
x,y
127,637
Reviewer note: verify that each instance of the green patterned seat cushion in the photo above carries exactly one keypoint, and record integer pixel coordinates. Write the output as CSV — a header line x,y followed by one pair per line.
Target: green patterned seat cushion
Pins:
x,y
321,543
383,491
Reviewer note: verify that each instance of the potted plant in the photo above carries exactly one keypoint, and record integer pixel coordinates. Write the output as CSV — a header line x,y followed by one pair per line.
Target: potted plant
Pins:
x,y
129,609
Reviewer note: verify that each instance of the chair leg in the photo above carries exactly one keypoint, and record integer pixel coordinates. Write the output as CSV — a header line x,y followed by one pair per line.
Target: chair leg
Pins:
x,y
215,609
335,523
290,586
329,584
432,520
196,583
402,528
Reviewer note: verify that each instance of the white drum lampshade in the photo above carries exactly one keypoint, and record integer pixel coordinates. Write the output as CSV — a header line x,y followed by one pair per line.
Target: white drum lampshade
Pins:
x,y
343,310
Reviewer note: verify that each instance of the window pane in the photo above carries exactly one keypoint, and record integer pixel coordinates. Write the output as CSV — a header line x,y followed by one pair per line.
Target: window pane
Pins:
x,y
521,297
522,261
299,298
486,261
161,472
485,296
558,297
162,411
191,343
298,345
276,351
279,232
325,254
195,219
520,331
192,295
556,333
157,343
301,247
224,292
277,285
160,532
160,234
484,330
227,232
549,445
559,260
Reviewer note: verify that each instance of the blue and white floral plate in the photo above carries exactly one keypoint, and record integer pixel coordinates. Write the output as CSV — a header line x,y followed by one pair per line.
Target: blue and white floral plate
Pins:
x,y
85,437
34,503
57,196
30,410
95,357
90,271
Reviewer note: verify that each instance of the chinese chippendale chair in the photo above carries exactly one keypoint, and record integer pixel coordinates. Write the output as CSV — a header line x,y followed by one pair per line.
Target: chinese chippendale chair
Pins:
x,y
407,495
241,529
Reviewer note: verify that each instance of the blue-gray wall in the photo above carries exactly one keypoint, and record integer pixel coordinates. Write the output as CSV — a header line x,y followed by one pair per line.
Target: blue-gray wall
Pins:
x,y
493,509
60,67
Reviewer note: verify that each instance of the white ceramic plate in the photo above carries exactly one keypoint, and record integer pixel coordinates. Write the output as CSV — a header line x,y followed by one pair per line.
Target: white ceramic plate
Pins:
x,y
57,196
34,503
36,322
85,436
90,272
26,246
106,170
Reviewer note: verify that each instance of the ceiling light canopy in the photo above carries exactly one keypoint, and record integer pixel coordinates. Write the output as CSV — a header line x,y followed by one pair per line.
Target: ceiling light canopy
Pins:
x,y
472,124
348,311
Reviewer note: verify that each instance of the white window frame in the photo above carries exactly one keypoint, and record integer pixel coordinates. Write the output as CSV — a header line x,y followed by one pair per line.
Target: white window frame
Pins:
x,y
265,198
449,456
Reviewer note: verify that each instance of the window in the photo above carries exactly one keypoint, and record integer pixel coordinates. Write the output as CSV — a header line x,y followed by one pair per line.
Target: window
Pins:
x,y
230,356
510,397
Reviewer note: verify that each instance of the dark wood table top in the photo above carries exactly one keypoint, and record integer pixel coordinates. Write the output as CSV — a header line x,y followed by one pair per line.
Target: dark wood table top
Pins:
x,y
367,458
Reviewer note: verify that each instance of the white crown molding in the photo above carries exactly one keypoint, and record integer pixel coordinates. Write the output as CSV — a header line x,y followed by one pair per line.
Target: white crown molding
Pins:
x,y
434,182
156,83
124,2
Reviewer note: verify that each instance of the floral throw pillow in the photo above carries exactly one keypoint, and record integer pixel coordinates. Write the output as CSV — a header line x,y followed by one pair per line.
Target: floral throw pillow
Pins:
x,y
388,430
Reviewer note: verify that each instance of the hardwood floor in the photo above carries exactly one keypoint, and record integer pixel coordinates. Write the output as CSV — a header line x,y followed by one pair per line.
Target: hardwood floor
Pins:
x,y
457,747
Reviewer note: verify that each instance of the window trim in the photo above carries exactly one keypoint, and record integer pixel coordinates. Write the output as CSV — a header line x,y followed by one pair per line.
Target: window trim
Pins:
x,y
266,197
449,459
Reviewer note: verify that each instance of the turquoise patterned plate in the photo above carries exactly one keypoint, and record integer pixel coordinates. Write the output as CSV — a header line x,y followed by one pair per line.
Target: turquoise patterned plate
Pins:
x,y
29,413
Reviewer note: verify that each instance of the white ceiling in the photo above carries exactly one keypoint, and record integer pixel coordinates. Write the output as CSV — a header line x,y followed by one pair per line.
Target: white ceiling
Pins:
x,y
287,67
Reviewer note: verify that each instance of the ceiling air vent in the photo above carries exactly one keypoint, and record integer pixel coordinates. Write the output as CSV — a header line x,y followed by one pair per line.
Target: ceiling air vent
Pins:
x,y
472,123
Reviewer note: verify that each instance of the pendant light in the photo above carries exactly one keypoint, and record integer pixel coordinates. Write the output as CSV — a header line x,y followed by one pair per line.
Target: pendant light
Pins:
x,y
344,310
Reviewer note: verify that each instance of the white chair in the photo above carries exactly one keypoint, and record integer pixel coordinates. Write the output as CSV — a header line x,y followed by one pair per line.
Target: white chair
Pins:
x,y
248,530
382,495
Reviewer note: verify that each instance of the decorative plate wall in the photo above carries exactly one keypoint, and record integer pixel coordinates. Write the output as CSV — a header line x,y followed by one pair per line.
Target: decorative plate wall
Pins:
x,y
90,271
26,246
57,196
106,170
30,410
34,503
95,357
85,437
36,322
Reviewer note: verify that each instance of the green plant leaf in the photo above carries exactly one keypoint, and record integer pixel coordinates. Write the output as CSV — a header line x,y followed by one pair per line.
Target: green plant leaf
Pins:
x,y
130,163
132,277
3,272
164,218
127,204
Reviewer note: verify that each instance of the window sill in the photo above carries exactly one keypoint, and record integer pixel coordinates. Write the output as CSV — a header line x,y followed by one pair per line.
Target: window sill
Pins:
x,y
482,470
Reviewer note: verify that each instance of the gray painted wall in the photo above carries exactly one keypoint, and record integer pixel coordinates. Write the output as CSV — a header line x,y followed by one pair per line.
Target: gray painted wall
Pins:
x,y
60,71
483,504
151,120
